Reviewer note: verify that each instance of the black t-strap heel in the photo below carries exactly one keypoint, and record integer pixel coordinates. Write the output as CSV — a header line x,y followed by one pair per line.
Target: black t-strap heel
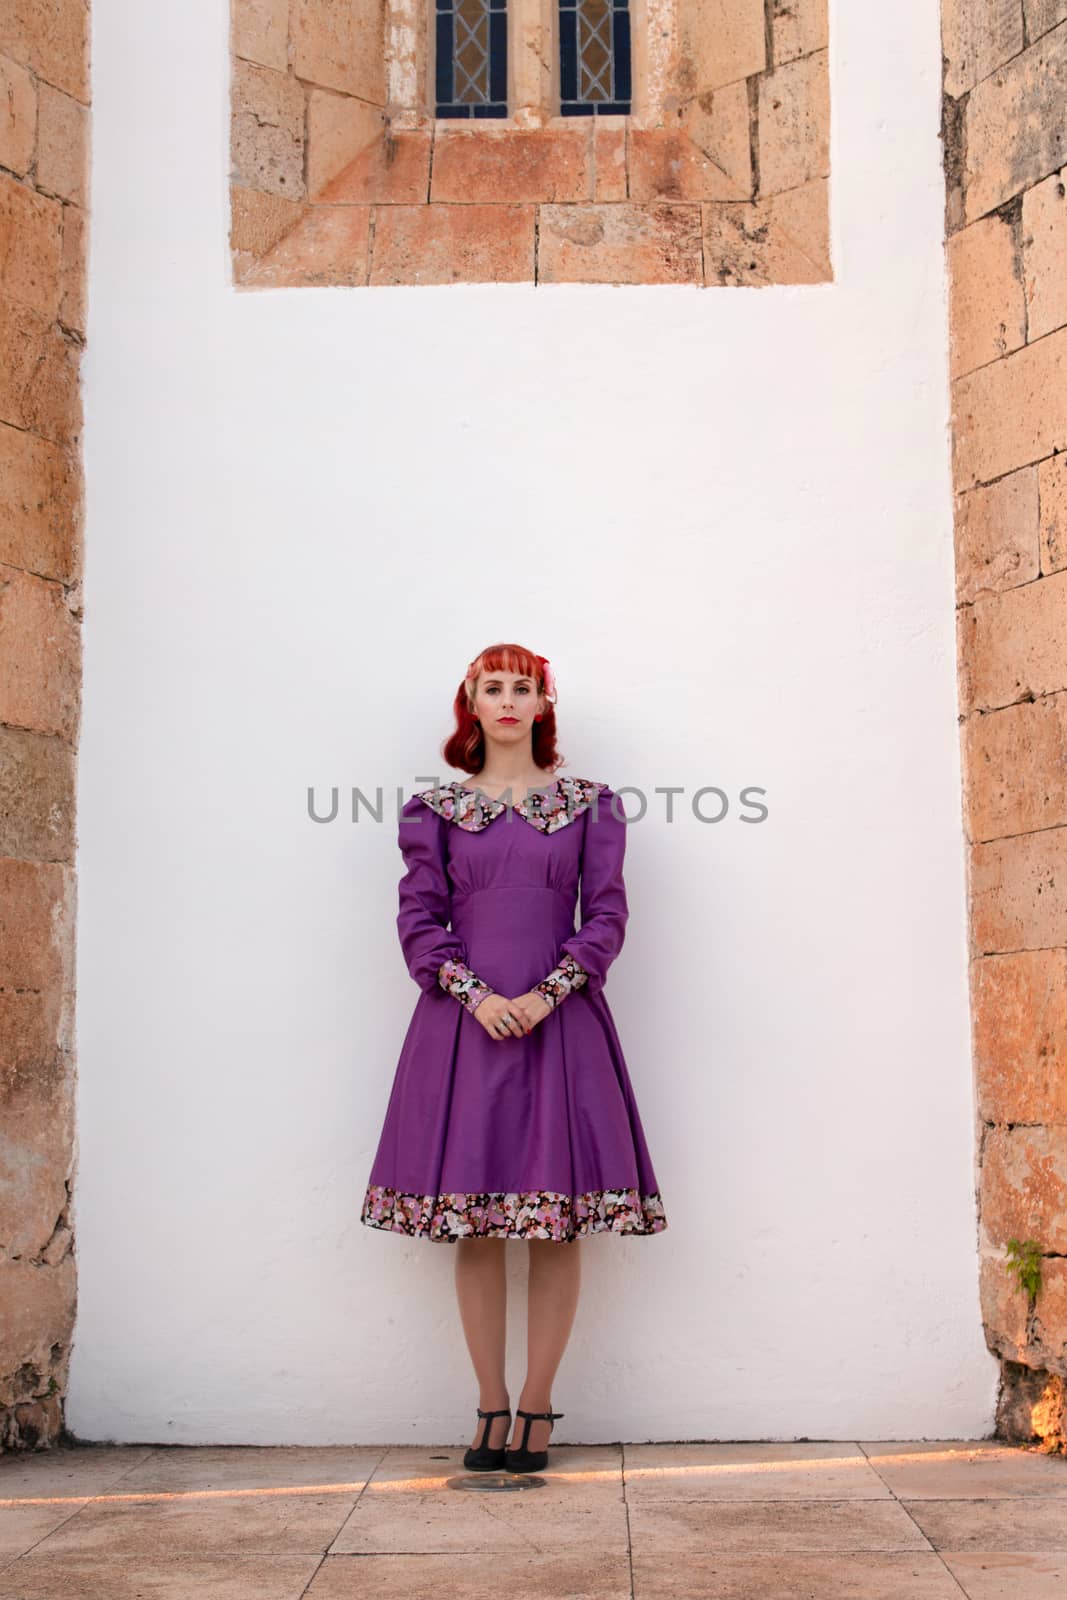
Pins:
x,y
521,1459
479,1458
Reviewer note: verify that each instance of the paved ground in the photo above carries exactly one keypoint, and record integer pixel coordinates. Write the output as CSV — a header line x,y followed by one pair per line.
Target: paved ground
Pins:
x,y
923,1520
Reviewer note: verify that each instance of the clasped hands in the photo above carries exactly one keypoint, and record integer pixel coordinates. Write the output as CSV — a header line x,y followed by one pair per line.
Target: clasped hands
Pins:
x,y
503,1018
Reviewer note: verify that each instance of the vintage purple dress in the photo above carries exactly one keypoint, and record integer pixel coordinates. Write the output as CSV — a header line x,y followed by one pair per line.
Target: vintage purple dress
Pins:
x,y
532,1137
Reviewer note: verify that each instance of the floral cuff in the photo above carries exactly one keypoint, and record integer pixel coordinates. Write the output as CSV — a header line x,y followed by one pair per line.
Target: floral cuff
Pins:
x,y
561,980
457,979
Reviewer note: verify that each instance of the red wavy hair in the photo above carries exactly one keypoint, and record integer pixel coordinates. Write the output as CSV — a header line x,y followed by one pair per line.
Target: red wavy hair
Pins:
x,y
465,747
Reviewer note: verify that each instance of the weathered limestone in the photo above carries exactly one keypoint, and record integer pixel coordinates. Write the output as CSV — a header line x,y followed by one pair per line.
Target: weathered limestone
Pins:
x,y
44,148
799,28
1020,1010
709,157
794,113
40,505
453,244
998,535
1006,64
1019,895
51,39
261,32
267,145
18,117
330,246
620,244
340,44
783,239
62,145
977,37
1044,254
1011,412
1015,125
1013,644
730,105
721,41
473,164
989,306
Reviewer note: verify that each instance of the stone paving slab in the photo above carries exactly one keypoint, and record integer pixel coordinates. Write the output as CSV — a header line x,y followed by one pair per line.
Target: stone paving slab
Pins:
x,y
851,1520
1008,1524
808,1471
683,1527
952,1470
913,1576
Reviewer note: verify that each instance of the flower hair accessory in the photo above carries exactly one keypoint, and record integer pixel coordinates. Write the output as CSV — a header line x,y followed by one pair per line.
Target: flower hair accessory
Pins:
x,y
550,680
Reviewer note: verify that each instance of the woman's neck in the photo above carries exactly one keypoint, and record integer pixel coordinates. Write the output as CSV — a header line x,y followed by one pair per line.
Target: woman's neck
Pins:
x,y
496,780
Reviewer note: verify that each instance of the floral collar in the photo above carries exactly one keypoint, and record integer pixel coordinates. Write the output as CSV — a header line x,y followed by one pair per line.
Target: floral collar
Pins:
x,y
472,810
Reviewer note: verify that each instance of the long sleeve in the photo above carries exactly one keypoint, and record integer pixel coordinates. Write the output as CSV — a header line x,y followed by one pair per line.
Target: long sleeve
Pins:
x,y
435,956
602,898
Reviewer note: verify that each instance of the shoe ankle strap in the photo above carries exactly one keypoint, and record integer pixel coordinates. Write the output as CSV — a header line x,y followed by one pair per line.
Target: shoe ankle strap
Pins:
x,y
547,1415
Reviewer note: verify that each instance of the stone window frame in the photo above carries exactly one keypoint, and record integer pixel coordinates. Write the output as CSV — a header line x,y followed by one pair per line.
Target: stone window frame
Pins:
x,y
341,174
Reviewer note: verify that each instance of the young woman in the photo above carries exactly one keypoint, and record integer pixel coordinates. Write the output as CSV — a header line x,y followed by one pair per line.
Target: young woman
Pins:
x,y
512,1115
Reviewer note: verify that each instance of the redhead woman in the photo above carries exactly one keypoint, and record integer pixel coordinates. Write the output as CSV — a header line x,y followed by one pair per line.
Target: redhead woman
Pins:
x,y
512,1115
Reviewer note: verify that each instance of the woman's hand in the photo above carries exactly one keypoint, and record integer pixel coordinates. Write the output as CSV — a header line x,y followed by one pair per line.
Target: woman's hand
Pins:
x,y
533,1006
504,1019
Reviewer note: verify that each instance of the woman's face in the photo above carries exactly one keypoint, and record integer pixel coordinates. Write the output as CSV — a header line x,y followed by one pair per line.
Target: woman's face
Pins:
x,y
506,703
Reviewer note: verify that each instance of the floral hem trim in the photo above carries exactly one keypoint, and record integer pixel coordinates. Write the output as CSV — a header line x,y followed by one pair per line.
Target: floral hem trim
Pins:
x,y
457,979
561,980
526,1214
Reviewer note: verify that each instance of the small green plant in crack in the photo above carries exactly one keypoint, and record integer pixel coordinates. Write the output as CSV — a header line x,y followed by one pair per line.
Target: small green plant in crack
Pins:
x,y
1024,1261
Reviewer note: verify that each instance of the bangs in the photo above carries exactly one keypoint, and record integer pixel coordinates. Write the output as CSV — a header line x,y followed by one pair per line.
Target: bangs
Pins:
x,y
509,658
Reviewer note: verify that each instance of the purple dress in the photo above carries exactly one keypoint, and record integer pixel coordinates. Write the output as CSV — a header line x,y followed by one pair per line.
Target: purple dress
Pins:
x,y
533,1137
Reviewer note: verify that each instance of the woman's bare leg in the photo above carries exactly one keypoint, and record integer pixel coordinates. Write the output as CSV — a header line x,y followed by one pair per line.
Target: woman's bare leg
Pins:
x,y
481,1289
555,1275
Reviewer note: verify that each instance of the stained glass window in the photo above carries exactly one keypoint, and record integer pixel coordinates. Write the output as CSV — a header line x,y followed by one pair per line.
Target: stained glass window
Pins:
x,y
594,57
472,58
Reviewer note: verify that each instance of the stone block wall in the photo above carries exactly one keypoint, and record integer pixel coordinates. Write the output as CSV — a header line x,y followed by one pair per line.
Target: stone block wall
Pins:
x,y
44,130
341,174
1005,132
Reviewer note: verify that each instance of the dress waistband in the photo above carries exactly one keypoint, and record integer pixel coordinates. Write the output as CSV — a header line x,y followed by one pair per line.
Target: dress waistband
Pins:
x,y
512,888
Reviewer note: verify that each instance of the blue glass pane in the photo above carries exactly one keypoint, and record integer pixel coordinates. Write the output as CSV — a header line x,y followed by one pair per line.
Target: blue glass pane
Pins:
x,y
622,53
498,57
594,57
471,68
444,60
568,56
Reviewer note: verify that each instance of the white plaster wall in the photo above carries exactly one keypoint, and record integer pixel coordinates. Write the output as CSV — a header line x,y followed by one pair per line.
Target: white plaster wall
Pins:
x,y
725,515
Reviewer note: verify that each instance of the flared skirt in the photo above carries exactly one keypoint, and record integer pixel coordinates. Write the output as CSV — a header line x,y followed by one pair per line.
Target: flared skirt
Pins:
x,y
533,1137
